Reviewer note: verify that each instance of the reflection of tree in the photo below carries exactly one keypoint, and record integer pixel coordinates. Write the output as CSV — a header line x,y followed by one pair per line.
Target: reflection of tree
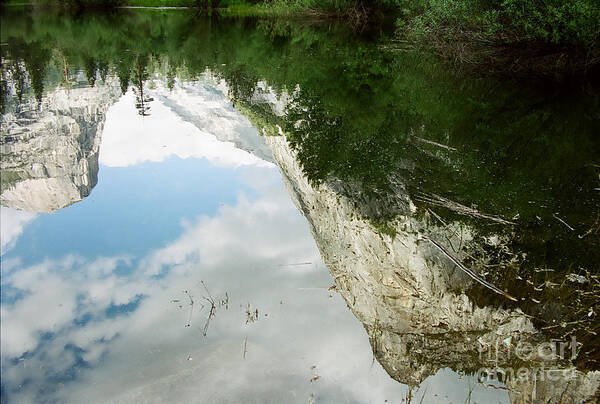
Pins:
x,y
208,6
241,82
171,78
65,71
124,73
103,70
140,75
3,92
29,61
18,78
90,70
37,58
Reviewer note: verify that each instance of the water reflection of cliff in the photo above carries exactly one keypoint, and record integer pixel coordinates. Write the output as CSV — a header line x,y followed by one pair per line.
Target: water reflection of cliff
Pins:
x,y
50,151
421,312
409,299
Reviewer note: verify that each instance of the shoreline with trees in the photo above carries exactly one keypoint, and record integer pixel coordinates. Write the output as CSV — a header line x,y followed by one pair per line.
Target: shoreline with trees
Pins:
x,y
554,39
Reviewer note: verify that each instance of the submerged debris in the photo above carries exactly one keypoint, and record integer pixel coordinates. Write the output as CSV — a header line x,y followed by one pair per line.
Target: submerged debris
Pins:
x,y
576,278
315,376
211,301
251,314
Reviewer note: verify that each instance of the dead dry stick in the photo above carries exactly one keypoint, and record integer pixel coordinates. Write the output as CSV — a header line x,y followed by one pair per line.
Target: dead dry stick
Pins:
x,y
470,272
595,228
296,264
205,288
443,146
213,308
191,312
563,222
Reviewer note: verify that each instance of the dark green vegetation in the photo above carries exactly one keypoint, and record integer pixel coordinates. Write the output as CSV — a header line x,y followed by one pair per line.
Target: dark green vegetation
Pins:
x,y
549,37
545,26
371,121
553,21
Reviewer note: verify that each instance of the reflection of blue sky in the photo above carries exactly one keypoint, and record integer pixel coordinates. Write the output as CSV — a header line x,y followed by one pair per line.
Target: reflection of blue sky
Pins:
x,y
87,319
131,210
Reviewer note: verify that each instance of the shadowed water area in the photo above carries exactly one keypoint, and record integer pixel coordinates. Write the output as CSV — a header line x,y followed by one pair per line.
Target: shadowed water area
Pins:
x,y
241,210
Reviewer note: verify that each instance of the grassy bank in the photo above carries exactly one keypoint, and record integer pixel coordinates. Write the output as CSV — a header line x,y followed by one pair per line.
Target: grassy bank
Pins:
x,y
574,22
547,37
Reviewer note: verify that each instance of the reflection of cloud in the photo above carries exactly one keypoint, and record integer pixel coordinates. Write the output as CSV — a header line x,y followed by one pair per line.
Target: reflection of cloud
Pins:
x,y
55,293
128,140
12,223
267,231
62,321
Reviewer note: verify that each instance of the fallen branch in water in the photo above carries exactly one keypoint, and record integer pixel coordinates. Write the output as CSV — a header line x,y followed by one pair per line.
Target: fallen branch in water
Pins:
x,y
438,200
443,146
470,272
563,222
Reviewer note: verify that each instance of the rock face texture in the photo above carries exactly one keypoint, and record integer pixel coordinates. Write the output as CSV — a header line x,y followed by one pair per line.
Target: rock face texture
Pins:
x,y
49,152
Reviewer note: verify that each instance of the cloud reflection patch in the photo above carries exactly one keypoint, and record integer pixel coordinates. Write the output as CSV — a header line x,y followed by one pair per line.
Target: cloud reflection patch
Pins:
x,y
129,139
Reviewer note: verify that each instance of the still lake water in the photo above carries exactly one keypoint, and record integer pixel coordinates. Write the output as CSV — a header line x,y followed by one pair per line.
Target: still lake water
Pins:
x,y
200,210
